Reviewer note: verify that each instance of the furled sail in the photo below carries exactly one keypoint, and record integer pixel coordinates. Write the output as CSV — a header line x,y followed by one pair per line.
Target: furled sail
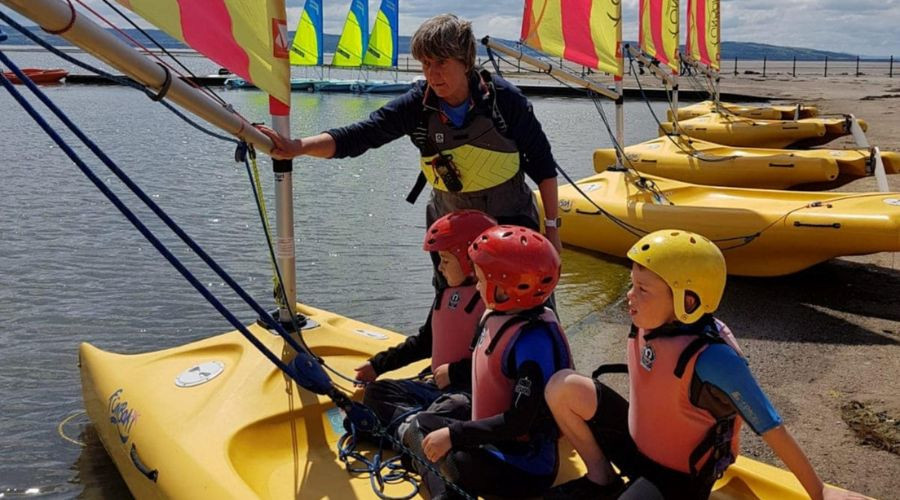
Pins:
x,y
586,32
658,36
249,37
702,43
383,43
355,36
307,47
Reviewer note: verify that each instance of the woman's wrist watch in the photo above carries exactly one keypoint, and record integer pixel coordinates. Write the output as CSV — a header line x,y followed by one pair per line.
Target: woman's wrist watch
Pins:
x,y
557,222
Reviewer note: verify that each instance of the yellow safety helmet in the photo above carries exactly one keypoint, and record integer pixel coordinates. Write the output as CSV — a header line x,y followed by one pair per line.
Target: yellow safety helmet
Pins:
x,y
687,262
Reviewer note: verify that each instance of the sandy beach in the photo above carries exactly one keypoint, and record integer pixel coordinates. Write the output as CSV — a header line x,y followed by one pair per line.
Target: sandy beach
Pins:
x,y
824,343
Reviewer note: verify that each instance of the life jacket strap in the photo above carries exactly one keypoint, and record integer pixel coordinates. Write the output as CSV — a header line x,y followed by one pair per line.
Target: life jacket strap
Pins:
x,y
718,442
421,182
692,349
609,368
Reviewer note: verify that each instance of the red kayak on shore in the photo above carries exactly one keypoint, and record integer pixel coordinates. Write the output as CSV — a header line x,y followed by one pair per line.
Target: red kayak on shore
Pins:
x,y
38,75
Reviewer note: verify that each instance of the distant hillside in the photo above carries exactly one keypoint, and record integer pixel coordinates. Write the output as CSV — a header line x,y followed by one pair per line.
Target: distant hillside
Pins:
x,y
730,50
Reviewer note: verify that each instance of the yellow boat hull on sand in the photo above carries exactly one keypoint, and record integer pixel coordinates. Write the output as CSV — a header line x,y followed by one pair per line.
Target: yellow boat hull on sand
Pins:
x,y
696,161
247,433
747,132
762,232
758,112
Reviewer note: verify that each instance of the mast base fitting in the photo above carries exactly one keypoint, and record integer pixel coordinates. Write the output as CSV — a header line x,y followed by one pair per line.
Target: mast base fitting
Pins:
x,y
302,322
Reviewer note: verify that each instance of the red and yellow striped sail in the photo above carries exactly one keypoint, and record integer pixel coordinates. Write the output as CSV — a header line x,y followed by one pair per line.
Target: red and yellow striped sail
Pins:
x,y
703,32
586,32
658,30
249,37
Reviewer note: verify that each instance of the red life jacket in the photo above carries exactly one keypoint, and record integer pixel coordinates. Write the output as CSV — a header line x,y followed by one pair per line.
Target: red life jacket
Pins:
x,y
454,320
492,386
663,420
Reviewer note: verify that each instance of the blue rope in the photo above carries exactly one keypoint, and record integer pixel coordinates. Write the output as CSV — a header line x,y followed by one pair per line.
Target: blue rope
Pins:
x,y
113,78
143,197
357,413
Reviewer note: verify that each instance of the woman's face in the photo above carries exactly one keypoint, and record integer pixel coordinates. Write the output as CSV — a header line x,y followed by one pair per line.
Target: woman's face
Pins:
x,y
447,78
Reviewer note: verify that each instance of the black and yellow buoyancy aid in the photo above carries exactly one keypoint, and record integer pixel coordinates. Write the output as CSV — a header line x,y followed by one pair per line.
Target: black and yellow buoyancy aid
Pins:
x,y
478,155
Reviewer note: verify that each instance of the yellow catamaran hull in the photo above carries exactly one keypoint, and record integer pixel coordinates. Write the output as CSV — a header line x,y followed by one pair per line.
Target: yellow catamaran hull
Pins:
x,y
758,112
247,433
762,232
747,132
700,162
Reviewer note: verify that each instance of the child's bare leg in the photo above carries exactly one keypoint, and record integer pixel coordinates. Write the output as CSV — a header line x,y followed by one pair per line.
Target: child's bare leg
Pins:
x,y
573,400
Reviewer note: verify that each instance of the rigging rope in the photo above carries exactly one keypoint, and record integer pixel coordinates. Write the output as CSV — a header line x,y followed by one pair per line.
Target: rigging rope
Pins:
x,y
148,52
127,82
648,185
305,369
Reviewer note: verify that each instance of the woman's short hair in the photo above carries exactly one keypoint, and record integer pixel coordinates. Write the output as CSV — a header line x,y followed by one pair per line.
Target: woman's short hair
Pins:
x,y
445,37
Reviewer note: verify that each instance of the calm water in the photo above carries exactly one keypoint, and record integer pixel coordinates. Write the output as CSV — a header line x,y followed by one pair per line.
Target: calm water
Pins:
x,y
74,270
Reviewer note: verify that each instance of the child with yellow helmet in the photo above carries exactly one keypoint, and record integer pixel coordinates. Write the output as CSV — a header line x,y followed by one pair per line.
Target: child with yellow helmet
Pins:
x,y
690,389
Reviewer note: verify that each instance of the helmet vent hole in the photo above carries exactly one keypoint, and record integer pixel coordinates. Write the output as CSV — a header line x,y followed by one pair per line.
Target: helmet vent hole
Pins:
x,y
507,234
676,233
645,247
475,246
547,280
523,240
431,241
693,240
523,286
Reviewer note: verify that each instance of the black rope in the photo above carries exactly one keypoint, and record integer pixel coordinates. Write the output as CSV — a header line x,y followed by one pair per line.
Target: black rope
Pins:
x,y
127,82
691,151
68,25
164,50
166,85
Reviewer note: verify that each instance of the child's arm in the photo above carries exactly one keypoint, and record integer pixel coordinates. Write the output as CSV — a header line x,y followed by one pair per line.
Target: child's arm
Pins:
x,y
787,449
414,348
783,444
729,377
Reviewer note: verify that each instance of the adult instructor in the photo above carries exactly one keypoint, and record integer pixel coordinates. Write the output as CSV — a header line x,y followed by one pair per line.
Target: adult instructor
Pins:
x,y
476,133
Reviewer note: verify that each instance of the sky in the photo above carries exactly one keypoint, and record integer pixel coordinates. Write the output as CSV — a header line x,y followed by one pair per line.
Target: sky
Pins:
x,y
861,27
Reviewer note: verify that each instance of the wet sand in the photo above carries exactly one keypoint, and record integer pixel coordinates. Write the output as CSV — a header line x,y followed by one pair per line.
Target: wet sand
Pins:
x,y
819,339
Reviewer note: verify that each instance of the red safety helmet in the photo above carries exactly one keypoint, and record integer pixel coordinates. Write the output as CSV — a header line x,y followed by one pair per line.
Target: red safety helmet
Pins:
x,y
520,261
454,233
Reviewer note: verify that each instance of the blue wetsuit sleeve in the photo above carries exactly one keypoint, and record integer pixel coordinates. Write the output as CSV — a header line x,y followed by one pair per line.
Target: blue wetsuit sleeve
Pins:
x,y
534,345
532,363
721,367
389,122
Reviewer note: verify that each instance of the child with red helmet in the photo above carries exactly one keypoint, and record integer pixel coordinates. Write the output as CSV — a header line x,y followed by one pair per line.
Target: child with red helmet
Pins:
x,y
446,335
509,446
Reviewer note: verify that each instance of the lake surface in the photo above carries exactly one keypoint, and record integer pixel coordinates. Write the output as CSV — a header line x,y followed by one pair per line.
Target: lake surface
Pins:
x,y
73,270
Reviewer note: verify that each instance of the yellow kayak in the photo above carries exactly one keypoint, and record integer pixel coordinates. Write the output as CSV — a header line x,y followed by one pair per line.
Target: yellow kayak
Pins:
x,y
692,160
758,112
761,232
739,131
237,429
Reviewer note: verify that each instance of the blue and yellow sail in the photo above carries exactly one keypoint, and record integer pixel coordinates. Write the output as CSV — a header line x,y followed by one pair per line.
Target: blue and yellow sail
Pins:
x,y
355,36
384,41
307,49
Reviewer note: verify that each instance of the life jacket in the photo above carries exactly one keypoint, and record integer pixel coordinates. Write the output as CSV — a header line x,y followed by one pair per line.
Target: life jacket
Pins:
x,y
455,315
665,418
492,384
478,154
